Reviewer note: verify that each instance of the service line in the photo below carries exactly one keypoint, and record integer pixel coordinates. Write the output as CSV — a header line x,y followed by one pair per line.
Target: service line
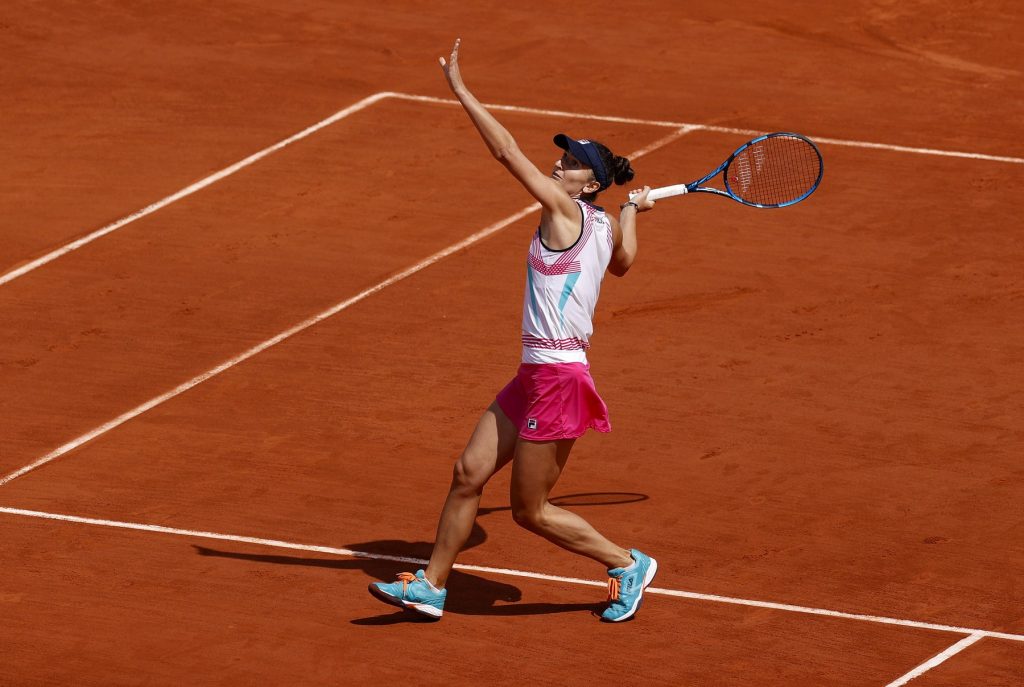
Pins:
x,y
305,324
974,634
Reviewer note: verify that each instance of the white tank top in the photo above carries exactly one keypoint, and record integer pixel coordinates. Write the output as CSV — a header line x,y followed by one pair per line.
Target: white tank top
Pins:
x,y
562,287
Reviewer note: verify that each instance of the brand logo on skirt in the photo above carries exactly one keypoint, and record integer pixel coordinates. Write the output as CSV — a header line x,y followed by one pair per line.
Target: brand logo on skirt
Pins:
x,y
532,423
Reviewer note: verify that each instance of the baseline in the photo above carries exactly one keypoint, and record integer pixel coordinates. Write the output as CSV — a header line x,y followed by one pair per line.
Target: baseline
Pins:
x,y
305,324
974,634
720,129
366,102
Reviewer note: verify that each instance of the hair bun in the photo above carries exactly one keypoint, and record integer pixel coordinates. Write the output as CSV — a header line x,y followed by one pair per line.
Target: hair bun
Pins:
x,y
622,171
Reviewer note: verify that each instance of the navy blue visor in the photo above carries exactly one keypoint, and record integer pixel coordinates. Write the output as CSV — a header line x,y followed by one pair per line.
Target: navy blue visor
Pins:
x,y
586,152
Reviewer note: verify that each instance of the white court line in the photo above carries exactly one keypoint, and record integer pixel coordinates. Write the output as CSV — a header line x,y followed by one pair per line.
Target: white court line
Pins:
x,y
189,190
277,543
199,379
720,129
937,659
366,102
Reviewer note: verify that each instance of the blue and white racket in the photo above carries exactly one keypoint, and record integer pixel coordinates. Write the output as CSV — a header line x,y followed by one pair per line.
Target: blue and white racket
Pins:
x,y
771,171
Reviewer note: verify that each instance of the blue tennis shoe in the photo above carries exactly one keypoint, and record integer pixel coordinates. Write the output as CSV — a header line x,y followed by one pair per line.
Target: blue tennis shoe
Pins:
x,y
413,592
626,587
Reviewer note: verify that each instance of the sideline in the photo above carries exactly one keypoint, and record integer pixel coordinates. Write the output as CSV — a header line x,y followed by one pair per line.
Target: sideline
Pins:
x,y
189,190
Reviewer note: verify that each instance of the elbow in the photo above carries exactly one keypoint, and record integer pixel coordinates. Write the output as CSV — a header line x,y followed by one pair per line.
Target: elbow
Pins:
x,y
619,269
506,153
621,261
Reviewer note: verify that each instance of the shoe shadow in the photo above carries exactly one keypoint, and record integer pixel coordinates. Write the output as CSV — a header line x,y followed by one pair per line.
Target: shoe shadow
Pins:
x,y
476,595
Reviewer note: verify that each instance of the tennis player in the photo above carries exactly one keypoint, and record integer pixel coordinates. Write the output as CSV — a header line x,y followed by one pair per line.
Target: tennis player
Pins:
x,y
552,400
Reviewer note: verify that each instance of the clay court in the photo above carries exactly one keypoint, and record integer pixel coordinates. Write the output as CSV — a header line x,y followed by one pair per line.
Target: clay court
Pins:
x,y
259,276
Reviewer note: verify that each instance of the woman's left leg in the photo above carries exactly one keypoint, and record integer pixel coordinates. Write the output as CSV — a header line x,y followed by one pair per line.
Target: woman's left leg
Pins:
x,y
535,469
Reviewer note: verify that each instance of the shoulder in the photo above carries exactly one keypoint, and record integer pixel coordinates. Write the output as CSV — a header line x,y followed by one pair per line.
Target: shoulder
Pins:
x,y
591,210
599,213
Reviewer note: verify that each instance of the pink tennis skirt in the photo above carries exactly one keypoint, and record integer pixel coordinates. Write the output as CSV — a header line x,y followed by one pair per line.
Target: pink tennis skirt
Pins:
x,y
554,401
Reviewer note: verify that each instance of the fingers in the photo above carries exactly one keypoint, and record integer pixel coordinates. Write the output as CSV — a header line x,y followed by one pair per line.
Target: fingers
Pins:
x,y
455,54
453,61
639,196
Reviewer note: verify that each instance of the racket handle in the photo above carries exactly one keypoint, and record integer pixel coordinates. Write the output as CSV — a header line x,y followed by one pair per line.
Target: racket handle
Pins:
x,y
664,192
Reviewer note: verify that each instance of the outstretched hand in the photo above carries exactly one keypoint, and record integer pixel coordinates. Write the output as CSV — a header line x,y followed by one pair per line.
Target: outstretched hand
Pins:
x,y
451,68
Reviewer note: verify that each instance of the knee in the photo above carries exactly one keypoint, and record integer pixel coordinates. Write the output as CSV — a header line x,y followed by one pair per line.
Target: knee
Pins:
x,y
528,517
466,480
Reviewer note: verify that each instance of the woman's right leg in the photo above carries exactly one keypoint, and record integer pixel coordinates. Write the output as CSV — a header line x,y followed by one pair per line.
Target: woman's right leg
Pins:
x,y
489,449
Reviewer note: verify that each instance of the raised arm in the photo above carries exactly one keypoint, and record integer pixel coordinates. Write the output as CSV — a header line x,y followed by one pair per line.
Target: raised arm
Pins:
x,y
503,146
624,250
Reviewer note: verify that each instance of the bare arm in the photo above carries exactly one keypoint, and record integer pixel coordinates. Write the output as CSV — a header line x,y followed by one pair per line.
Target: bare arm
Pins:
x,y
503,146
624,251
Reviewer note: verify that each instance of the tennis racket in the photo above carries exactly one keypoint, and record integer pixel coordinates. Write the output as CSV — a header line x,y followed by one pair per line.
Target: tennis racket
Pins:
x,y
770,171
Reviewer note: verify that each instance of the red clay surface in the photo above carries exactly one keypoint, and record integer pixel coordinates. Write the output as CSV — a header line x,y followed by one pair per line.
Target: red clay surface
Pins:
x,y
986,664
819,403
175,612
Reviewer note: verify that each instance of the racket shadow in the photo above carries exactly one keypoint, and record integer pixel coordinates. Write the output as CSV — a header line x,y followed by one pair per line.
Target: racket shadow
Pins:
x,y
591,498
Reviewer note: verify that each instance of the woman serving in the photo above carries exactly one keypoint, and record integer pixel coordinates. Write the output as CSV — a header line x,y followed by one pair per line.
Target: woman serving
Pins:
x,y
552,401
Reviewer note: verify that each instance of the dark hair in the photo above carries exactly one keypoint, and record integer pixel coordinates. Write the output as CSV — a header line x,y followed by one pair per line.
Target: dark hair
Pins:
x,y
619,168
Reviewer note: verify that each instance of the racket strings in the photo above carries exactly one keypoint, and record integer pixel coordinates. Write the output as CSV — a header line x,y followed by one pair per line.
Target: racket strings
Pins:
x,y
776,171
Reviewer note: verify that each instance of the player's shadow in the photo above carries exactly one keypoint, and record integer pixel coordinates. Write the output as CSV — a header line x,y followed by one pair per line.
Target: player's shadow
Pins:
x,y
475,595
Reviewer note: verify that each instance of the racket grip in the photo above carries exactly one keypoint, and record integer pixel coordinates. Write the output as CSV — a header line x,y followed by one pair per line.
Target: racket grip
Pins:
x,y
664,192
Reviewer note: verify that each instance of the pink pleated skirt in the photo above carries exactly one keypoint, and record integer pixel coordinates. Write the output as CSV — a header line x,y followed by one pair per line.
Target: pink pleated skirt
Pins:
x,y
554,401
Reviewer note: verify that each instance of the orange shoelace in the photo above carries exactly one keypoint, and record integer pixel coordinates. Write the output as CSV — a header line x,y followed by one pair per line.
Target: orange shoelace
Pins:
x,y
613,588
406,578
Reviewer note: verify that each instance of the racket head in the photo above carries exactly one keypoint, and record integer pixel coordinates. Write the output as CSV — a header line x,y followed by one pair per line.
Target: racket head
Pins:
x,y
774,170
